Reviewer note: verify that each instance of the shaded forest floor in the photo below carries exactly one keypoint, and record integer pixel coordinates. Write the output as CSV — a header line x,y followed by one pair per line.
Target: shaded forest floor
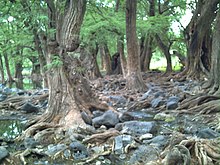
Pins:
x,y
173,121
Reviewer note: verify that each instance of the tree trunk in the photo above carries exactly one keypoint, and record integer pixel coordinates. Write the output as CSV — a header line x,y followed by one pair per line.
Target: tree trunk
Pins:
x,y
41,58
146,54
10,80
166,50
215,69
2,71
147,51
69,91
106,58
18,75
198,36
120,48
88,57
134,77
36,76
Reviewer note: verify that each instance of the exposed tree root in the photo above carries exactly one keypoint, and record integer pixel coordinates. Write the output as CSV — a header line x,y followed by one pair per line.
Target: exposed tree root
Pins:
x,y
197,101
92,159
140,105
101,137
191,152
39,130
205,108
15,102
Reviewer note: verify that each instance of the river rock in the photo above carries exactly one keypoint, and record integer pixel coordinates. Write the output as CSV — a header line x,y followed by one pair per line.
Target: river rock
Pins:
x,y
122,141
118,99
79,150
53,149
159,141
207,133
3,152
159,94
157,102
3,97
137,127
30,142
29,108
135,115
6,90
172,102
146,95
146,136
109,119
143,154
87,119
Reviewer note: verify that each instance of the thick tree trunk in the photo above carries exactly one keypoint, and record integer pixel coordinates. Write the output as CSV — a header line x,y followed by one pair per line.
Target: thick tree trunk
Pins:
x,y
198,36
69,91
2,71
134,77
10,80
41,58
166,50
36,76
88,57
18,75
106,58
147,50
123,62
215,67
146,54
120,46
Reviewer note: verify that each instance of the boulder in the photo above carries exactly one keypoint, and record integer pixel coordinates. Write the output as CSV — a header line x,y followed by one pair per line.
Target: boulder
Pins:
x,y
108,119
79,150
3,97
30,142
172,102
143,154
207,133
29,108
118,99
122,141
157,102
3,152
137,128
87,119
53,149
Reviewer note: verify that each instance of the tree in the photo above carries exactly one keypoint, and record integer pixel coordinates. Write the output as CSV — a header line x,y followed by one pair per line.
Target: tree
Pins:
x,y
215,63
134,77
198,38
69,91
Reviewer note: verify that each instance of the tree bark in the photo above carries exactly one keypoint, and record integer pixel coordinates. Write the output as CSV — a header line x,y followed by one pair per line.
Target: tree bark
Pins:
x,y
41,57
146,54
198,36
134,77
2,71
215,63
10,80
67,87
18,75
105,55
120,48
88,56
147,50
166,50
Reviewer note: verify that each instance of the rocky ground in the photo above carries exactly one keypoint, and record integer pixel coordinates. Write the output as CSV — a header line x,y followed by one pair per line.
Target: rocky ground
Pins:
x,y
153,127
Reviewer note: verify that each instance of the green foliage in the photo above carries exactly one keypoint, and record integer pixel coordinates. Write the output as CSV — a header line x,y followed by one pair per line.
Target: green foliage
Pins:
x,y
55,63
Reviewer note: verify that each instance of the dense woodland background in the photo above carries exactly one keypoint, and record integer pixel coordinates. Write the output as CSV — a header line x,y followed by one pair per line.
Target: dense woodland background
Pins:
x,y
161,31
64,45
